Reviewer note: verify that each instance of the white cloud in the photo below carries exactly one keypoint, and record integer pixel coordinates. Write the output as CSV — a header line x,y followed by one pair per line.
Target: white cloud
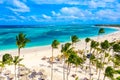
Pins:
x,y
45,16
22,17
90,3
108,14
72,13
55,14
17,6
56,1
96,4
109,0
70,10
76,13
35,18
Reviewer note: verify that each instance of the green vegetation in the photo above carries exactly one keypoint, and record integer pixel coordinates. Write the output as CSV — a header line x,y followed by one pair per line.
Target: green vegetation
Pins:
x,y
100,56
54,45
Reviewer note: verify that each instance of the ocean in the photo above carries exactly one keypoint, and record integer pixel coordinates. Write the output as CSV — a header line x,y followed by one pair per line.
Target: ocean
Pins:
x,y
44,35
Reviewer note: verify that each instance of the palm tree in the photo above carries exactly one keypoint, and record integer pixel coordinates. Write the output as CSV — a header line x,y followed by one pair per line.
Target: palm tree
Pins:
x,y
73,59
77,61
21,41
93,45
69,61
74,39
116,47
101,31
105,45
7,59
92,60
116,60
65,50
109,71
87,40
16,62
55,44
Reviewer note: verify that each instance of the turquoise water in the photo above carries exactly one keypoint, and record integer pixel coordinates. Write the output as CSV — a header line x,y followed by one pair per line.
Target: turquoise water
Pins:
x,y
44,35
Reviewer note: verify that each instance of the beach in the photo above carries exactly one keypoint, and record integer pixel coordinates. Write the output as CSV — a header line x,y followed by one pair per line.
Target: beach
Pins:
x,y
32,57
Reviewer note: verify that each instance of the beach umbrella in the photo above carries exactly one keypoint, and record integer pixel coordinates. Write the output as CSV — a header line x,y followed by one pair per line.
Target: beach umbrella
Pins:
x,y
7,72
33,74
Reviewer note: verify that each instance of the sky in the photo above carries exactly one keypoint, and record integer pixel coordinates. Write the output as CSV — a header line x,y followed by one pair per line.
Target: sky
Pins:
x,y
30,12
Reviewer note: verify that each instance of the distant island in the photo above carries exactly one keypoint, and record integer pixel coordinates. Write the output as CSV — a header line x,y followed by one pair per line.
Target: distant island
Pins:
x,y
110,25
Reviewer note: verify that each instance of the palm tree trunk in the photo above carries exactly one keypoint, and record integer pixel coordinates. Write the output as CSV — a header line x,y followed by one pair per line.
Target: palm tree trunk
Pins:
x,y
99,74
96,66
67,71
104,77
85,49
18,63
76,70
52,66
64,69
15,73
90,70
19,52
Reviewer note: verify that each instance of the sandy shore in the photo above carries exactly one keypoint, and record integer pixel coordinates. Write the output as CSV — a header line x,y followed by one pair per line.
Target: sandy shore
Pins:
x,y
32,57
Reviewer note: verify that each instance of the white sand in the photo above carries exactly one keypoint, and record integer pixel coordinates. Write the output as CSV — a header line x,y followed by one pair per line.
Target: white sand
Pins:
x,y
32,57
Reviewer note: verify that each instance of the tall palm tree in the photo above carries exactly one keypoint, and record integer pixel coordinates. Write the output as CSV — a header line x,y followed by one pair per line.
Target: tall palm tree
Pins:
x,y
101,31
69,61
74,39
73,59
21,41
93,45
109,71
65,50
16,62
87,40
105,49
105,46
54,45
91,60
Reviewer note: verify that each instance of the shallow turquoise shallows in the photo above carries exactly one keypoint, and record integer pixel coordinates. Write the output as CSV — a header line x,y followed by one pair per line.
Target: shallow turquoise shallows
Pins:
x,y
44,35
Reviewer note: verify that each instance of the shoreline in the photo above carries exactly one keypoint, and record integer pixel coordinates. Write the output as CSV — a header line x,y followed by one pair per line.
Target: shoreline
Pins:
x,y
45,46
49,46
41,46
